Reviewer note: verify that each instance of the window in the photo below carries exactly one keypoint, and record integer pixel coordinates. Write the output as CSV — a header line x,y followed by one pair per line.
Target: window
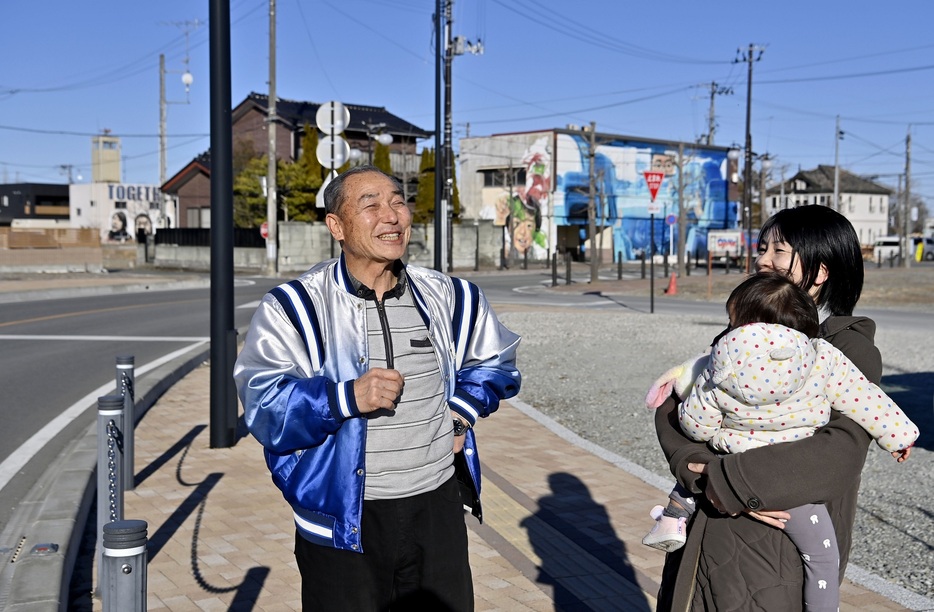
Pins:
x,y
120,205
872,207
154,206
500,177
77,212
823,199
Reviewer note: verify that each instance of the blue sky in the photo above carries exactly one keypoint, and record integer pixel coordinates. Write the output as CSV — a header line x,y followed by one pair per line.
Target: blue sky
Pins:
x,y
72,69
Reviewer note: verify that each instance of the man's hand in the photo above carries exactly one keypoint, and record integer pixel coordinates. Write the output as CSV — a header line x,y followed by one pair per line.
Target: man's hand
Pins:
x,y
773,518
378,388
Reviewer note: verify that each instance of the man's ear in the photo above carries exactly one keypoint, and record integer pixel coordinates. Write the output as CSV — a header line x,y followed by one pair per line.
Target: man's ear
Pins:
x,y
335,226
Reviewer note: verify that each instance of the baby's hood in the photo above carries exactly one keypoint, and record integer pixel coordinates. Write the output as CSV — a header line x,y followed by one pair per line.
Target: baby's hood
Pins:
x,y
762,363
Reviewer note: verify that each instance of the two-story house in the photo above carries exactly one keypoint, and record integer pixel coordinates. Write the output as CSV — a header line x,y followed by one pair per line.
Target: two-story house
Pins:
x,y
862,201
192,184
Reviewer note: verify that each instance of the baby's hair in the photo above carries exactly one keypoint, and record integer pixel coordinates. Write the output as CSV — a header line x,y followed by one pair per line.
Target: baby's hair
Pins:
x,y
768,297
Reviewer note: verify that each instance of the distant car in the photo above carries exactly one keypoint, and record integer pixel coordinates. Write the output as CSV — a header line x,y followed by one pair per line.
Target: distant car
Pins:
x,y
927,253
886,247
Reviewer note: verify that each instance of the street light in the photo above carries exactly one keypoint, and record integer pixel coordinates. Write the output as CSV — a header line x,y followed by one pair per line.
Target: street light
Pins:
x,y
374,131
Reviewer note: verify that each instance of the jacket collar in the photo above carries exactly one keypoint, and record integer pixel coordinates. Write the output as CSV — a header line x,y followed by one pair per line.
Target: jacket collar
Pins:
x,y
346,281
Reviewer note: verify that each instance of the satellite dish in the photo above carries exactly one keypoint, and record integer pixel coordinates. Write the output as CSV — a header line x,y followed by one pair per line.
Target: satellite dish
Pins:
x,y
332,117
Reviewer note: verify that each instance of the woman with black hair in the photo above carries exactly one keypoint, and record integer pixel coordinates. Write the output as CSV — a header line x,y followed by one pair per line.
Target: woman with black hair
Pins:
x,y
736,556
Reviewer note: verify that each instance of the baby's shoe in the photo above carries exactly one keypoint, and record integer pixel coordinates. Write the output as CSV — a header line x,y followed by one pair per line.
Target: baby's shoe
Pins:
x,y
668,534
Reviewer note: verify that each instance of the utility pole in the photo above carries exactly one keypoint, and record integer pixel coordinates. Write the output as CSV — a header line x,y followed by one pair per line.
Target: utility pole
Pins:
x,y
749,58
907,195
592,204
187,80
446,165
440,212
682,213
715,90
272,255
836,166
162,136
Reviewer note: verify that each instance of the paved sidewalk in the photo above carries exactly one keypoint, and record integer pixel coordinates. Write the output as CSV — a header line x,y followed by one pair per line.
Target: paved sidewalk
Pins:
x,y
562,530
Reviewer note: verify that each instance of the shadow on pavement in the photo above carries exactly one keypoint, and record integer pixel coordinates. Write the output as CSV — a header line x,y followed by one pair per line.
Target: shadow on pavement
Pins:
x,y
572,511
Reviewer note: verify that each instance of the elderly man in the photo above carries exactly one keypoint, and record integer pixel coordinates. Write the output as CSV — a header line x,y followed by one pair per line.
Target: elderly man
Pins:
x,y
363,379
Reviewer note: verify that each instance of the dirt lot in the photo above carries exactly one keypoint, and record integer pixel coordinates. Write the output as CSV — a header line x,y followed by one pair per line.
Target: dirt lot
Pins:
x,y
911,288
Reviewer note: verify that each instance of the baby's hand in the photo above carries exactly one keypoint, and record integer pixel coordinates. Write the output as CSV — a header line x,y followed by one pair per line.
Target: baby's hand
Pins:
x,y
902,455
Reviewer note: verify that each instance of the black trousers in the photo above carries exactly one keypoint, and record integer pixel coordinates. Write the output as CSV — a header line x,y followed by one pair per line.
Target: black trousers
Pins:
x,y
414,558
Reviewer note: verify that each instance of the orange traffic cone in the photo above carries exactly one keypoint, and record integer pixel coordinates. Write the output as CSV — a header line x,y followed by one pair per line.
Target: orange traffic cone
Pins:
x,y
672,285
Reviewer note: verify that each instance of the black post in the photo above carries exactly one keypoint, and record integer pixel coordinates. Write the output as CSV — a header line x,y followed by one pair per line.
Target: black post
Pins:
x,y
727,264
525,259
643,264
619,266
652,263
223,403
476,259
567,262
554,269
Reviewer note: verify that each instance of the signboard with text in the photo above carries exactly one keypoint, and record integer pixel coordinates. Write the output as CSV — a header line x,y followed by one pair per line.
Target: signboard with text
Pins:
x,y
654,182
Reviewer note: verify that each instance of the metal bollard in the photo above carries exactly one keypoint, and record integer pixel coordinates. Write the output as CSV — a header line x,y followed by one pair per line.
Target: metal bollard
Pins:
x,y
109,460
567,265
525,259
123,568
665,262
619,266
126,386
554,269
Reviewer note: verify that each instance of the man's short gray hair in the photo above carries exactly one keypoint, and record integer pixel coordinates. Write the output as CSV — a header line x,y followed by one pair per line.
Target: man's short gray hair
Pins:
x,y
334,192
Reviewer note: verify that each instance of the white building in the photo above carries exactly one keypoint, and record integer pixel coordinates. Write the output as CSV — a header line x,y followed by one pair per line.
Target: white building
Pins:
x,y
863,202
119,211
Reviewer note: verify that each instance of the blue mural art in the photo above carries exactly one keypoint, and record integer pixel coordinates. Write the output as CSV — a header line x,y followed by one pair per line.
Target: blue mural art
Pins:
x,y
622,195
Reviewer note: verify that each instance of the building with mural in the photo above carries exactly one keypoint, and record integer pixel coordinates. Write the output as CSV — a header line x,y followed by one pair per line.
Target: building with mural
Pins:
x,y
120,211
536,185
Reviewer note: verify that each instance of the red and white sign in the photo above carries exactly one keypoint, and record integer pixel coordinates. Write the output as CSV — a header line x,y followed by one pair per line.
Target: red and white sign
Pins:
x,y
654,181
264,230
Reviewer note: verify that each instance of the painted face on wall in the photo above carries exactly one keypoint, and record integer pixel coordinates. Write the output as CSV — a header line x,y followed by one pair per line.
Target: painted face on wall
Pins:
x,y
523,232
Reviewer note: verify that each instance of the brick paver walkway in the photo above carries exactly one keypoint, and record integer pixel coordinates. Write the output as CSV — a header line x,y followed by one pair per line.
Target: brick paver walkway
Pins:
x,y
562,528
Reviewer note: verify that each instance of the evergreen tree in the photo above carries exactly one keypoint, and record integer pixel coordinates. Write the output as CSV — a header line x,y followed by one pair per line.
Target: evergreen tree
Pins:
x,y
249,199
381,158
299,182
425,195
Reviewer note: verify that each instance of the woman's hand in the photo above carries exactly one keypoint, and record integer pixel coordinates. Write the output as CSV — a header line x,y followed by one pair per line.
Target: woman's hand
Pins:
x,y
701,468
773,518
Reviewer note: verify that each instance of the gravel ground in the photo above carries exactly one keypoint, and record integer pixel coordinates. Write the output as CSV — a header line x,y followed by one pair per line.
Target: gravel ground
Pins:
x,y
595,386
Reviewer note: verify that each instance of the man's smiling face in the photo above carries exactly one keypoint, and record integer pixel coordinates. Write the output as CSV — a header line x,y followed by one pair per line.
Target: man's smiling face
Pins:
x,y
373,222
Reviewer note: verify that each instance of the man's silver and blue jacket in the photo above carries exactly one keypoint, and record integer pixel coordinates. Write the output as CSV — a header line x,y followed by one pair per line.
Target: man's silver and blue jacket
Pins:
x,y
307,344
